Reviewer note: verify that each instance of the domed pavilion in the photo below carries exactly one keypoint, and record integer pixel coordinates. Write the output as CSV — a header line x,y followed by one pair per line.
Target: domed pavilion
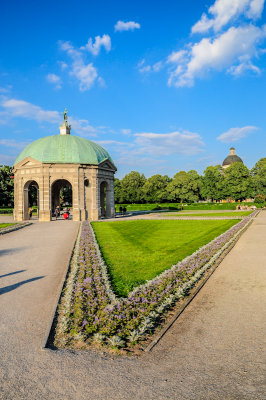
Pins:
x,y
55,162
231,158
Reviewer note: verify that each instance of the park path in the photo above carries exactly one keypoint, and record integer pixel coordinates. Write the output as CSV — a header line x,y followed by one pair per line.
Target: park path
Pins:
x,y
213,351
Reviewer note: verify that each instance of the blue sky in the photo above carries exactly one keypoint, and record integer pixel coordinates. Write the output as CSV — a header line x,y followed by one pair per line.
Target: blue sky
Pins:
x,y
164,86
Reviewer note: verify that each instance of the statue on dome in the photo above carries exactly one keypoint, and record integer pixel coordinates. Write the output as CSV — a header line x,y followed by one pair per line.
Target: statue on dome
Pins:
x,y
65,115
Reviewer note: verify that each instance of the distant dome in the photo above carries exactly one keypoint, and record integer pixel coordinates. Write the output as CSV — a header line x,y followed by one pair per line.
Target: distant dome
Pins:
x,y
231,158
65,149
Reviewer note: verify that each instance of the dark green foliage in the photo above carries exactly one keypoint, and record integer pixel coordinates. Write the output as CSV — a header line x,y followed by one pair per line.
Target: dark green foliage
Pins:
x,y
155,188
185,187
259,177
213,183
6,186
238,183
131,187
260,198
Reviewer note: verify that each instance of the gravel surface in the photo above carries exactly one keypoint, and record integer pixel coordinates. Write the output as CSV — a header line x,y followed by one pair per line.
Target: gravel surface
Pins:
x,y
213,351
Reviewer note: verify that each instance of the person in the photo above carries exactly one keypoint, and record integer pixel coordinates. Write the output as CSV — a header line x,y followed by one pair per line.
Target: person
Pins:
x,y
120,209
66,213
30,212
124,210
56,213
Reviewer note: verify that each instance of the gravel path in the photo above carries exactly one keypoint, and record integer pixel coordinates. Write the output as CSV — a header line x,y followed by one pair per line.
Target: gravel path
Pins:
x,y
213,351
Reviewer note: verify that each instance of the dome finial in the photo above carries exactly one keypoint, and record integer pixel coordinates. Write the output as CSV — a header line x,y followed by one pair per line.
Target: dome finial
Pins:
x,y
232,151
65,128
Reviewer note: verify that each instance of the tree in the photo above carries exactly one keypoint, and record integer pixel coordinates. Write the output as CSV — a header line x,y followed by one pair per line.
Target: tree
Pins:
x,y
154,189
259,177
6,186
238,182
132,188
185,187
212,183
117,191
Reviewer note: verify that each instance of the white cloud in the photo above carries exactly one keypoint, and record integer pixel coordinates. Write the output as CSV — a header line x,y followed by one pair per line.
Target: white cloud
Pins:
x,y
13,143
256,8
177,56
234,134
6,89
157,66
238,70
126,131
101,82
126,26
94,48
6,159
85,73
54,79
144,69
234,47
82,127
112,142
224,11
164,144
63,65
21,108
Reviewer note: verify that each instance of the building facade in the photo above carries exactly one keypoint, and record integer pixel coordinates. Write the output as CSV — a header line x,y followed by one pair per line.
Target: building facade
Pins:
x,y
54,162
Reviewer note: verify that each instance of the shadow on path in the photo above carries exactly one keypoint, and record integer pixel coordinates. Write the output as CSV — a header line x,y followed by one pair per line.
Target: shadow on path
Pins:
x,y
10,251
13,273
16,285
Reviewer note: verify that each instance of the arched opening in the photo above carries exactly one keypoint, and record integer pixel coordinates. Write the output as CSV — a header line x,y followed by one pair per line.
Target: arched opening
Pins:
x,y
103,198
62,198
31,200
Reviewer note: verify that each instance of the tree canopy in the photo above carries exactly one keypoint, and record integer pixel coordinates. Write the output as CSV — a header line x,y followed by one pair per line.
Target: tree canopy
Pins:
x,y
213,183
6,186
259,177
238,183
185,187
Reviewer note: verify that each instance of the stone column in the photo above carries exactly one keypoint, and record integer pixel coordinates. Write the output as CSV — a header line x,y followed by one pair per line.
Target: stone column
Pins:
x,y
108,201
75,197
18,198
111,198
26,203
95,195
45,197
81,189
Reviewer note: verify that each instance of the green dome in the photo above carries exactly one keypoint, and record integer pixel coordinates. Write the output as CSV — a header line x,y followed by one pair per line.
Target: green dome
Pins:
x,y
65,149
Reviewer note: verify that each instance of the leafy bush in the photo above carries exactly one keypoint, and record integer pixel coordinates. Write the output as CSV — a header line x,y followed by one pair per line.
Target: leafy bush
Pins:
x,y
260,198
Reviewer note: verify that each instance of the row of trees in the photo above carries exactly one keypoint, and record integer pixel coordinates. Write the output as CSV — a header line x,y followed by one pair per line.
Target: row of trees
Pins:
x,y
236,182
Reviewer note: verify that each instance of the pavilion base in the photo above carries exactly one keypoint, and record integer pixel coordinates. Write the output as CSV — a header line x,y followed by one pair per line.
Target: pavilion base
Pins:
x,y
45,216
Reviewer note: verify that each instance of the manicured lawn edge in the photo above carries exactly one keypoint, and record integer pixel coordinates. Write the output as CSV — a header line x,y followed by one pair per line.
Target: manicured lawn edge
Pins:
x,y
90,313
15,227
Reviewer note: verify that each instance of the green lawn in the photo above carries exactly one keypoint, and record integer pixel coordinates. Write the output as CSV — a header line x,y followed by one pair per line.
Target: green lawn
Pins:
x,y
210,214
136,251
5,225
186,207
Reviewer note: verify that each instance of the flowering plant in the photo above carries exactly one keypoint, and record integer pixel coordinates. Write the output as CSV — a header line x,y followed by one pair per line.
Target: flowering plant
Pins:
x,y
90,310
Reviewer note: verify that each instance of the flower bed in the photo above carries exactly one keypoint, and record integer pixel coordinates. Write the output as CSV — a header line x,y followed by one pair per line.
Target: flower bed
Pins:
x,y
90,311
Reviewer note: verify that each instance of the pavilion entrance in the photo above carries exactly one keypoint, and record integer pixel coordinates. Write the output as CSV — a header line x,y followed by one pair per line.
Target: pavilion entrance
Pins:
x,y
61,195
31,200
